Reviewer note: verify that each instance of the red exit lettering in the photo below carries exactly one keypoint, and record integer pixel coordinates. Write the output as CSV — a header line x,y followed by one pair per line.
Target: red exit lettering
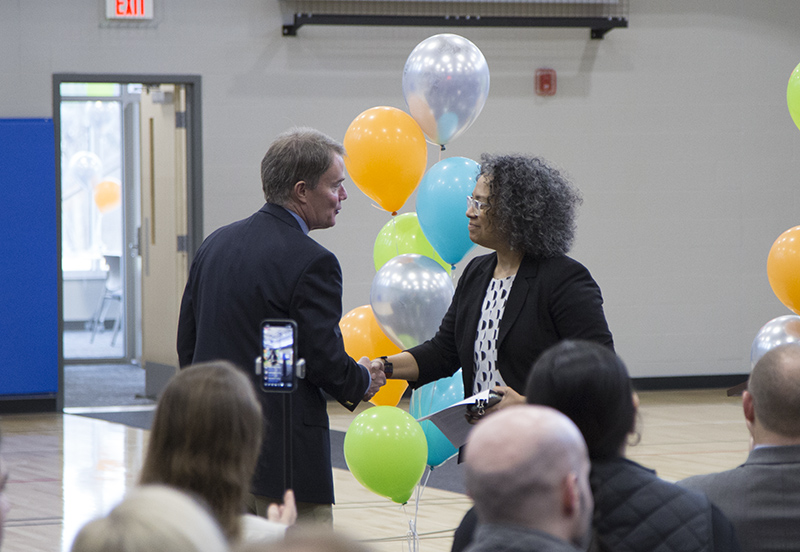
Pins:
x,y
130,8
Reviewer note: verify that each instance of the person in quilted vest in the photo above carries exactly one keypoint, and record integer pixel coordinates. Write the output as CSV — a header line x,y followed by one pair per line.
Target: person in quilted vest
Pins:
x,y
635,510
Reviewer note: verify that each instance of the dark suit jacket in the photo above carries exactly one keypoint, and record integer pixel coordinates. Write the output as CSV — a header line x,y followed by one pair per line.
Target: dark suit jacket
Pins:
x,y
551,299
265,267
761,498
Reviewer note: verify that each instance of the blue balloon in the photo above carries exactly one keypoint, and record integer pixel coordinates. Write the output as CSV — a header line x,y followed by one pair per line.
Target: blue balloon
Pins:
x,y
442,206
431,398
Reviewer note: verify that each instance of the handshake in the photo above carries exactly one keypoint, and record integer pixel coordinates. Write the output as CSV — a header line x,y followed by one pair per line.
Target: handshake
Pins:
x,y
379,369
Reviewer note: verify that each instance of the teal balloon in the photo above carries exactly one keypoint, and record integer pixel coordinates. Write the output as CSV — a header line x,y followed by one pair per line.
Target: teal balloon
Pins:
x,y
442,206
431,398
385,450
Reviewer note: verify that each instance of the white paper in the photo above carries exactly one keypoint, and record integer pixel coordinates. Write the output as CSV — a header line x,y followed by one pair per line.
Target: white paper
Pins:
x,y
452,421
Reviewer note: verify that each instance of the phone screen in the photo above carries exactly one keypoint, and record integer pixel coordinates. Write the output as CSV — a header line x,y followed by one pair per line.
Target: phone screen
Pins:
x,y
279,349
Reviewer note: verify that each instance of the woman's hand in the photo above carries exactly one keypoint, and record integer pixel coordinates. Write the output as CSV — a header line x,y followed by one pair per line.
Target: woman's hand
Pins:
x,y
285,513
510,398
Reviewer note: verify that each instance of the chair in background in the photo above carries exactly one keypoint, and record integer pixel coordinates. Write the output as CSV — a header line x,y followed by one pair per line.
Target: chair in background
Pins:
x,y
112,292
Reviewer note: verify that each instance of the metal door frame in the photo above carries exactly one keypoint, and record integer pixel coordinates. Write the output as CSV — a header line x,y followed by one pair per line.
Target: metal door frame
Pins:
x,y
194,175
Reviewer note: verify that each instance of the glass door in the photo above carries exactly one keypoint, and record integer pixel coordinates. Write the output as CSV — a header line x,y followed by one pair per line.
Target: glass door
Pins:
x,y
93,221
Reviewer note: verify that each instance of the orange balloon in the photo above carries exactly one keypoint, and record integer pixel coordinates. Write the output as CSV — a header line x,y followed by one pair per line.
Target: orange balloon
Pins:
x,y
783,268
364,337
386,155
107,195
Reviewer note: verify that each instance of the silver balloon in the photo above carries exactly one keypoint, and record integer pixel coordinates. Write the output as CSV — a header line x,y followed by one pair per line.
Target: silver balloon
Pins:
x,y
778,331
410,295
445,84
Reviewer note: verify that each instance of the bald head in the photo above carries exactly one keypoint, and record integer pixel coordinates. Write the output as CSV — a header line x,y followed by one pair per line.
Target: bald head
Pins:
x,y
528,465
774,386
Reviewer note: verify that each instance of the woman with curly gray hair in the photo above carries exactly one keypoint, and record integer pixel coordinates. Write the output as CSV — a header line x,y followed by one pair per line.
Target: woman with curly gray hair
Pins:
x,y
514,303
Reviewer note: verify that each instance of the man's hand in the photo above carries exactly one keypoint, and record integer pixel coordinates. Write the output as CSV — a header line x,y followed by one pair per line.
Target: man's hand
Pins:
x,y
376,373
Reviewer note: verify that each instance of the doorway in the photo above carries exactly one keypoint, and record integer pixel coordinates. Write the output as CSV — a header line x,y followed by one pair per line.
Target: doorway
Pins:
x,y
128,172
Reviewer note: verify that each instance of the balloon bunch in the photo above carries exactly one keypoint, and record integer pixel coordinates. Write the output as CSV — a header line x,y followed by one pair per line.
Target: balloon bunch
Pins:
x,y
445,86
783,264
783,272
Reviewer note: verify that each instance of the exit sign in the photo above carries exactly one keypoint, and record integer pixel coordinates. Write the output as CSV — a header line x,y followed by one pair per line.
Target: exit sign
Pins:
x,y
129,9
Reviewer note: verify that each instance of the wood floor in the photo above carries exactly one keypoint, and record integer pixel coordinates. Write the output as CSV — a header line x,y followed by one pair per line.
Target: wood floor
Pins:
x,y
66,469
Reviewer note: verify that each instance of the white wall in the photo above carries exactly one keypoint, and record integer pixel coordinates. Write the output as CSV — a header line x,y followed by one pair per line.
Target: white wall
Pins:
x,y
676,129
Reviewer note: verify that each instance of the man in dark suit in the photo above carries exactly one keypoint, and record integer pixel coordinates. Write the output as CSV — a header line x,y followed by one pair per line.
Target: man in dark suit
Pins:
x,y
527,469
266,266
762,496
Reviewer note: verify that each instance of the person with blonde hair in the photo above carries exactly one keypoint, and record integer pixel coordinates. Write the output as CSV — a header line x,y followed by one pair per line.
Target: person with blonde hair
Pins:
x,y
205,439
153,517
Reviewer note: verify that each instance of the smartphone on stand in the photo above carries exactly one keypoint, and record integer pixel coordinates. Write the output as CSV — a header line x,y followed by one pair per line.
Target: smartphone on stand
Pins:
x,y
278,355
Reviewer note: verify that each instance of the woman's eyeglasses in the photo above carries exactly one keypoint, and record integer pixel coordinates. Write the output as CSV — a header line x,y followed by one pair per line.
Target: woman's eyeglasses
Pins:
x,y
477,205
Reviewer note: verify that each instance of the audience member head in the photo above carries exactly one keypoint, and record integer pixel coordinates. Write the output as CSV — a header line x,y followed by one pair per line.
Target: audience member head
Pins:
x,y
297,154
206,437
590,384
528,466
531,203
772,399
151,518
4,504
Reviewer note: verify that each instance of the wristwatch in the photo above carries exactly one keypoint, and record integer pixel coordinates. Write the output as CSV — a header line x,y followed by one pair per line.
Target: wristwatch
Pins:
x,y
388,367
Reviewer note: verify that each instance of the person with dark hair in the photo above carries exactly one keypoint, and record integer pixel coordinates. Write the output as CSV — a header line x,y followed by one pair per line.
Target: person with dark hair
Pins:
x,y
762,496
266,266
634,509
205,440
513,303
528,472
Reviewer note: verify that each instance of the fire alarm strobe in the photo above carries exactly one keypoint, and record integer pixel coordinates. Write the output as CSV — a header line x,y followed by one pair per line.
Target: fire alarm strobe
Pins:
x,y
545,82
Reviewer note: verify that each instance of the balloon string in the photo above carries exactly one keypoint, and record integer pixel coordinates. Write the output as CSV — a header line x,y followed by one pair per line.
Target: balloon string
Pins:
x,y
412,535
396,239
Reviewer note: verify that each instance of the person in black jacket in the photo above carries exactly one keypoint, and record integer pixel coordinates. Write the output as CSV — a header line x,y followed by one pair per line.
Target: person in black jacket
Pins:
x,y
515,302
635,510
266,266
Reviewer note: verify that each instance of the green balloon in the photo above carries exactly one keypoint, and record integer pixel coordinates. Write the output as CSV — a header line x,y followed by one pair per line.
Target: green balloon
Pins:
x,y
385,450
793,95
403,235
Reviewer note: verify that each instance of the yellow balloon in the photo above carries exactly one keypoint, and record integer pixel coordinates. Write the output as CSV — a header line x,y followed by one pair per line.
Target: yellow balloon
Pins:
x,y
783,268
107,195
793,95
386,155
364,337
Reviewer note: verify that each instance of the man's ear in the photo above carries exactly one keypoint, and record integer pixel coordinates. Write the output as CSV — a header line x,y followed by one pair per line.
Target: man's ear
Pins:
x,y
300,191
749,409
570,495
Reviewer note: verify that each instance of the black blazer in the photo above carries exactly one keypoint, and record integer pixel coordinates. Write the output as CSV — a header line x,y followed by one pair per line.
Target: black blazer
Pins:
x,y
551,299
265,267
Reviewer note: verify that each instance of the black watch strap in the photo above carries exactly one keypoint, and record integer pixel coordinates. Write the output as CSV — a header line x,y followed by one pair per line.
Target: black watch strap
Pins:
x,y
388,367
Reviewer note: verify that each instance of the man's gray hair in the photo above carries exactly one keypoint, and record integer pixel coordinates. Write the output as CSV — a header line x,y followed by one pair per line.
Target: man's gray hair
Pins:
x,y
297,154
